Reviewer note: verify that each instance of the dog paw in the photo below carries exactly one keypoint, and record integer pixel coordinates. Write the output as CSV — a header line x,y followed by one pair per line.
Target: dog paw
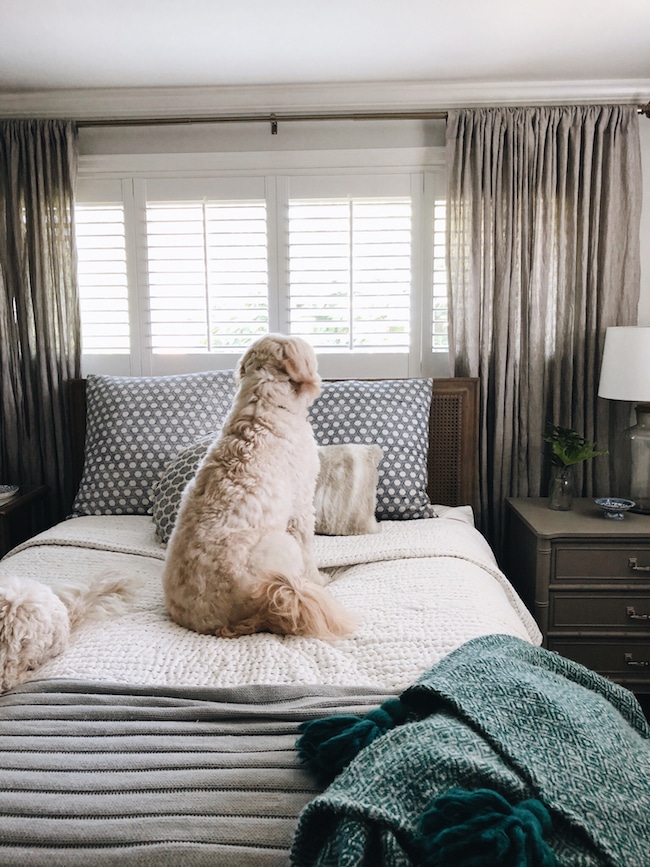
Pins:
x,y
34,627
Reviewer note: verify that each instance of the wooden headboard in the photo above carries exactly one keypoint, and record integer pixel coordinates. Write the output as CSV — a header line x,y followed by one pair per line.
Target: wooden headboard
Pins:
x,y
453,438
453,442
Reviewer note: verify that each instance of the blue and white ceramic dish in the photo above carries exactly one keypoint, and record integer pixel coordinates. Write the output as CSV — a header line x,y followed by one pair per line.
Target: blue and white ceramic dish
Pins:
x,y
614,507
7,492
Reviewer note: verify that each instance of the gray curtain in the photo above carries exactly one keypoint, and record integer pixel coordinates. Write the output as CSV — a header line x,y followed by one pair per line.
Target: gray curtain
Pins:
x,y
40,330
543,254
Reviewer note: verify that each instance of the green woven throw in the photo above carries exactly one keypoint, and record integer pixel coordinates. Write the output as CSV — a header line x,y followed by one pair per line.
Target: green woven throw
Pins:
x,y
328,745
482,829
567,751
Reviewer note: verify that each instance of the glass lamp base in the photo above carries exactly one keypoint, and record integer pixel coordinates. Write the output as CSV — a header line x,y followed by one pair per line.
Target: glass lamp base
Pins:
x,y
638,439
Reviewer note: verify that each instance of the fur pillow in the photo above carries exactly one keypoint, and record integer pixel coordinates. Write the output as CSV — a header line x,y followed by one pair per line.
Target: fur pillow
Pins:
x,y
346,490
348,477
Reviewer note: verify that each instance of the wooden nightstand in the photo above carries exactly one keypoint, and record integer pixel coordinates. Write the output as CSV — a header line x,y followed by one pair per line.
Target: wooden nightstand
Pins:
x,y
586,579
22,516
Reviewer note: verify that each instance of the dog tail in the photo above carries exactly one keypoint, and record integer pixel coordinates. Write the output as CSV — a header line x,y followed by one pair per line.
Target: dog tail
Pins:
x,y
289,606
104,596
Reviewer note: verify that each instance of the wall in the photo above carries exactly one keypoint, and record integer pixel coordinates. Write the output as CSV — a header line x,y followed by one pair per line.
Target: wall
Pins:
x,y
251,137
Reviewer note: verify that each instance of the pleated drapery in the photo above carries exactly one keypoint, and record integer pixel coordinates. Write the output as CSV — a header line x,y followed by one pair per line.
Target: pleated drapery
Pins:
x,y
40,332
543,251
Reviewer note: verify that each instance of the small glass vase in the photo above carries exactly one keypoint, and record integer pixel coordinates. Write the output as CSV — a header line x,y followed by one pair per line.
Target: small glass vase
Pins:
x,y
560,491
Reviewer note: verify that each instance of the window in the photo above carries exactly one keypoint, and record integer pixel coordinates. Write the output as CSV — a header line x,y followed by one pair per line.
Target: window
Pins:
x,y
103,286
179,273
208,275
440,319
350,273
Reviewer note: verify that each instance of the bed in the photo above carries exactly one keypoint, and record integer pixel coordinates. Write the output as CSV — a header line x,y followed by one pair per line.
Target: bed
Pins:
x,y
145,743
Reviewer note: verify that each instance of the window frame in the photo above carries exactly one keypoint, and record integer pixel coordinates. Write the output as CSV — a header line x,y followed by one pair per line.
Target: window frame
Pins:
x,y
275,172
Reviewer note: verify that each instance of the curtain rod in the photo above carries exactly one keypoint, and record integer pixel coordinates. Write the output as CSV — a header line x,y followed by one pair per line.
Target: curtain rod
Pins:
x,y
274,119
271,118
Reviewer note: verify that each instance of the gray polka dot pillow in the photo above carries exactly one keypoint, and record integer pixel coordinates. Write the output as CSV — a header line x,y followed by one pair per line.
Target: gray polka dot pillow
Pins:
x,y
394,414
135,426
168,491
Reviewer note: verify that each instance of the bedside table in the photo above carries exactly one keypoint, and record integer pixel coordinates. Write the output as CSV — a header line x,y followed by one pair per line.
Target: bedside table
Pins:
x,y
20,518
586,579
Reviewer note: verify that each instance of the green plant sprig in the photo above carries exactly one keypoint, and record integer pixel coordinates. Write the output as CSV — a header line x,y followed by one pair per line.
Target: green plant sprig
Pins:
x,y
569,448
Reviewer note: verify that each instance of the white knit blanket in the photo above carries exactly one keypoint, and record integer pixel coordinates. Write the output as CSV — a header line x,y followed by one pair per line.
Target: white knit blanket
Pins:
x,y
419,589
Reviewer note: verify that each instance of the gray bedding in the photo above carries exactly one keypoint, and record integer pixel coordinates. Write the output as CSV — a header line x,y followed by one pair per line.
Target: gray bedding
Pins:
x,y
94,774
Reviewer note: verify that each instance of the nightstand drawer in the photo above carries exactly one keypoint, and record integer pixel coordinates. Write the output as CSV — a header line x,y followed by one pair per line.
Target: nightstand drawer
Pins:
x,y
583,610
601,561
625,660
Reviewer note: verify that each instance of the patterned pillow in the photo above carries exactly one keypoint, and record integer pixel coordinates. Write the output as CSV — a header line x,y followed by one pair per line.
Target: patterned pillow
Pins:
x,y
394,414
135,425
167,492
354,467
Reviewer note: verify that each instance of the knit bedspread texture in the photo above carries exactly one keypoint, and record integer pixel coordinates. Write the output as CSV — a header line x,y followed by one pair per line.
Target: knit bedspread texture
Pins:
x,y
418,590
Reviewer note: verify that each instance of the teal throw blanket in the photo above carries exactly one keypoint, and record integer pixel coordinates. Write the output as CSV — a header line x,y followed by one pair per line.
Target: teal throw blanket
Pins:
x,y
508,754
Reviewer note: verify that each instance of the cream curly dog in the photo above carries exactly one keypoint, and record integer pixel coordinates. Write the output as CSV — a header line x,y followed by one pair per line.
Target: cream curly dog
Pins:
x,y
240,558
36,619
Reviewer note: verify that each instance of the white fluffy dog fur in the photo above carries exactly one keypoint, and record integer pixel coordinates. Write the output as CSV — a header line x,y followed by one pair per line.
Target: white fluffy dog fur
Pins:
x,y
240,558
36,619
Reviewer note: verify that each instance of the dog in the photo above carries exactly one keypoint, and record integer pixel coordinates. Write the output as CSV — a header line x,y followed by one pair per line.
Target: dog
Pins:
x,y
36,620
240,559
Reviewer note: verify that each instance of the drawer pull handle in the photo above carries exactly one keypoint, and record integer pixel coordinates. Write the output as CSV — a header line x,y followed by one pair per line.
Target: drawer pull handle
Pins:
x,y
632,615
633,663
632,565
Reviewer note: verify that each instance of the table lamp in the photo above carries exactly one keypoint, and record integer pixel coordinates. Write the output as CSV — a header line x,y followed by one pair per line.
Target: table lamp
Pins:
x,y
625,375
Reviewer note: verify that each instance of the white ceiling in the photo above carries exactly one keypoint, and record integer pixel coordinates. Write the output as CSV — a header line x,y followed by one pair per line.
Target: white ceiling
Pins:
x,y
48,45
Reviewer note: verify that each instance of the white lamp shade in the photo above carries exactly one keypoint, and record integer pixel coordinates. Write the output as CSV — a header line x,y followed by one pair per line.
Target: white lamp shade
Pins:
x,y
625,372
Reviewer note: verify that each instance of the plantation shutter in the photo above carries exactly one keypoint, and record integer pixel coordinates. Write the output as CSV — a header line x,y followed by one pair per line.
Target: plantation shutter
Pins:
x,y
179,273
440,319
208,274
350,272
102,277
